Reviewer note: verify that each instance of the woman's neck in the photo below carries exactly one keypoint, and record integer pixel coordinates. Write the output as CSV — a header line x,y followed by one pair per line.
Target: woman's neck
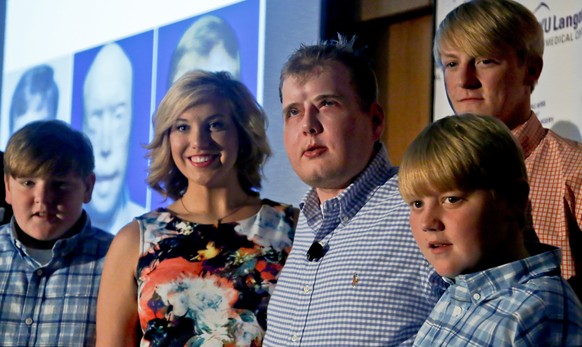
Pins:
x,y
215,206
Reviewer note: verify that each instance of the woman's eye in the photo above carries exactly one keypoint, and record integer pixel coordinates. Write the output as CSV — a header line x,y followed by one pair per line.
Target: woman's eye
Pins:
x,y
181,128
216,126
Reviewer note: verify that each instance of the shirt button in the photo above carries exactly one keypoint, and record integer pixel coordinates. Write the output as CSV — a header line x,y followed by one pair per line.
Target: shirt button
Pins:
x,y
457,311
345,219
294,338
28,321
476,296
306,289
39,272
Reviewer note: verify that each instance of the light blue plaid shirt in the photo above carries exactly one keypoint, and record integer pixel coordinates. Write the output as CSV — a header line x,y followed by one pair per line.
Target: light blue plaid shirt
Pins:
x,y
52,305
523,303
372,286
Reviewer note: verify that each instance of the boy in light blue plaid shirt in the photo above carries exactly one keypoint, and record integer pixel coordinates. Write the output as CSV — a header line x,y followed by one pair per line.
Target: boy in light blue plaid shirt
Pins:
x,y
465,181
50,256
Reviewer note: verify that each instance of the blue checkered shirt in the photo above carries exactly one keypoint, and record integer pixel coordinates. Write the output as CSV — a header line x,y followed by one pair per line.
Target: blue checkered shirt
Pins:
x,y
523,303
55,304
372,287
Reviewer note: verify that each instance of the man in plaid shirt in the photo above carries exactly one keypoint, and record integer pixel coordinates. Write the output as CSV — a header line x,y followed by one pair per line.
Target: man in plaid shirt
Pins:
x,y
491,55
50,256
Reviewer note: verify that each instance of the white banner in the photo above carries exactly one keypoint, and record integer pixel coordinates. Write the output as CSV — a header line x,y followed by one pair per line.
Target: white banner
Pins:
x,y
557,99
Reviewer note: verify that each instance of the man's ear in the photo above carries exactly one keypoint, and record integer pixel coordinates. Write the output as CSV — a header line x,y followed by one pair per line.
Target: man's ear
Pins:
x,y
533,70
377,115
89,184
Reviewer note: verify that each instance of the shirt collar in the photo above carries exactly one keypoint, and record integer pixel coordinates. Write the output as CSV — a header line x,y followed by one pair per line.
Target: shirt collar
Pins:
x,y
63,246
529,134
354,197
544,261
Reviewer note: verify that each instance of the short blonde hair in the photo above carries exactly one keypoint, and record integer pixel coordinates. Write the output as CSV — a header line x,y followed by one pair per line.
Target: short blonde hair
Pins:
x,y
485,27
195,88
466,152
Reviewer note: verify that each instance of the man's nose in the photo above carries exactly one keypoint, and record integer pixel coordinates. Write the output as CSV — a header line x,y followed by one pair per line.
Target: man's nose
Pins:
x,y
311,123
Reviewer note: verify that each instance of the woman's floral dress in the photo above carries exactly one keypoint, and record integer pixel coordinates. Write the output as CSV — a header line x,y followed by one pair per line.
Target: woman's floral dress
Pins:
x,y
209,285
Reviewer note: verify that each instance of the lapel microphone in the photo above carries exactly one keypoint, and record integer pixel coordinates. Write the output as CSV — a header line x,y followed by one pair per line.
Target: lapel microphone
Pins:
x,y
315,252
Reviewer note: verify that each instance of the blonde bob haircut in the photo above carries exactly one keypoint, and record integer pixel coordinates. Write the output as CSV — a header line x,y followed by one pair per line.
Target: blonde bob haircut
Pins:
x,y
466,153
196,88
482,28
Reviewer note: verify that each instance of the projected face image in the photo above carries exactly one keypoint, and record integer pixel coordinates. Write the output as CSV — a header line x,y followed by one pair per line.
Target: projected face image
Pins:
x,y
37,110
35,97
208,44
107,122
217,59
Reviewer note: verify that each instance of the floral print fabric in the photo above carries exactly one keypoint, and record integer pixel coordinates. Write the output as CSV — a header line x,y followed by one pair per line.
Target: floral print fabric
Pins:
x,y
209,285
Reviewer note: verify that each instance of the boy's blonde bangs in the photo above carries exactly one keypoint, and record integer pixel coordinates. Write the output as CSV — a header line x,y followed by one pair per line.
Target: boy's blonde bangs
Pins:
x,y
483,28
427,167
465,152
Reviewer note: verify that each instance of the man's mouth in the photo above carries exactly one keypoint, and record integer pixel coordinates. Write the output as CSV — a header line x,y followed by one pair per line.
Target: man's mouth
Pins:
x,y
314,151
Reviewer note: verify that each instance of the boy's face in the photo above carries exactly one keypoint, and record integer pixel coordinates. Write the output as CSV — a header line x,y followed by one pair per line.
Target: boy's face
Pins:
x,y
46,208
498,85
460,232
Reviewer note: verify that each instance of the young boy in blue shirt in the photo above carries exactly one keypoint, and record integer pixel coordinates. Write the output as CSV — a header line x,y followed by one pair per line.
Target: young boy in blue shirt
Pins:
x,y
50,257
465,180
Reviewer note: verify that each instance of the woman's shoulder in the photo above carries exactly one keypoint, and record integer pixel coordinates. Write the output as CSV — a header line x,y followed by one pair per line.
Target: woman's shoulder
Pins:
x,y
158,213
273,225
287,209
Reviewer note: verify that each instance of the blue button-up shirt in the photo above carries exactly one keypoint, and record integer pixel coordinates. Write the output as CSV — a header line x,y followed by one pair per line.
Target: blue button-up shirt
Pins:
x,y
522,303
54,304
371,287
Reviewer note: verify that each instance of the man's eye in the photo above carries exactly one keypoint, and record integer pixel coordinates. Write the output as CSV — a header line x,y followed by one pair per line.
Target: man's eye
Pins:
x,y
450,64
327,103
292,112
